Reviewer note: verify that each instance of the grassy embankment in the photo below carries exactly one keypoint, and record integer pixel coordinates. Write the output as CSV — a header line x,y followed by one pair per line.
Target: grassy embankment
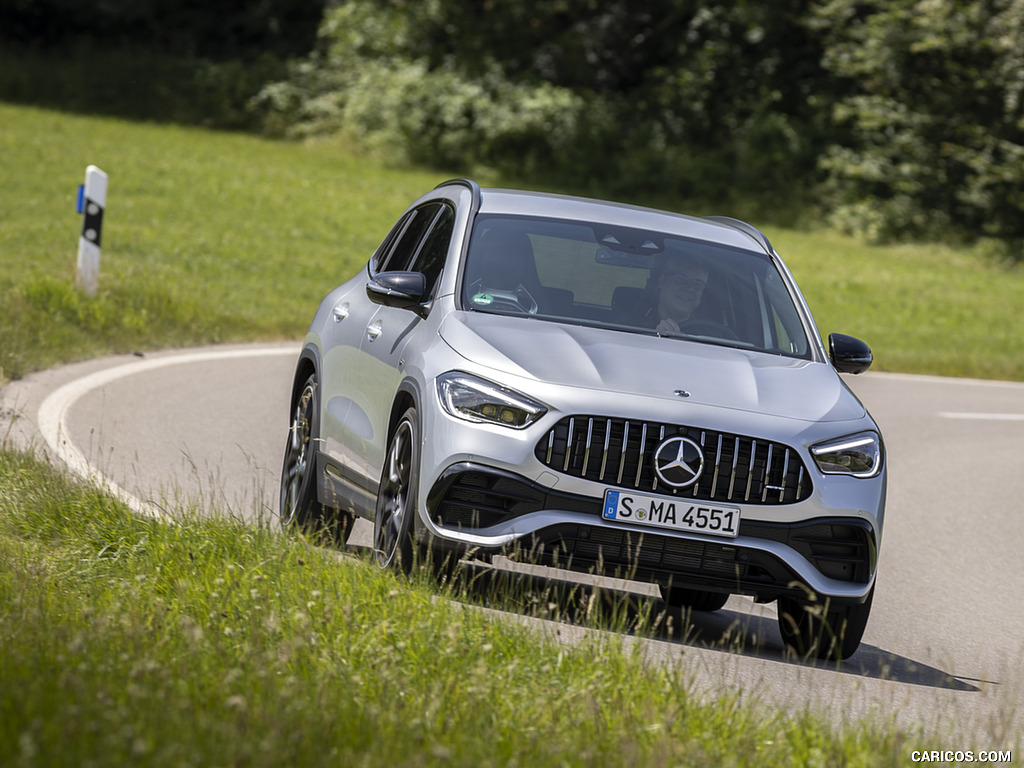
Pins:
x,y
131,642
127,641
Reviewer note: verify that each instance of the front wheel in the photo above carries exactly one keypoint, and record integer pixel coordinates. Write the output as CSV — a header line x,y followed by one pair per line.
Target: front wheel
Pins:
x,y
822,631
299,505
396,500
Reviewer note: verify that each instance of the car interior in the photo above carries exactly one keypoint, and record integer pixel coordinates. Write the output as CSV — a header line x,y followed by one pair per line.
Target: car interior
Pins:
x,y
591,275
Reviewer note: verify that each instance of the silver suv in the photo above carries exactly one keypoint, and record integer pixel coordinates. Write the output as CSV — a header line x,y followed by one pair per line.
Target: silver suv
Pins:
x,y
597,387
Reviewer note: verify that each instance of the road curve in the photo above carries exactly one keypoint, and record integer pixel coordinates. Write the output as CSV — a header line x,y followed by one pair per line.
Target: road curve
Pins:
x,y
945,644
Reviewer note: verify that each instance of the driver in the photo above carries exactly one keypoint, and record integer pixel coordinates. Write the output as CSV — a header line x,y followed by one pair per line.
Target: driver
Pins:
x,y
674,293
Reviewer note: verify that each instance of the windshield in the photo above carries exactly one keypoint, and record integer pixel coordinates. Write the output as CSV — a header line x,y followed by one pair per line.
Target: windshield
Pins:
x,y
631,280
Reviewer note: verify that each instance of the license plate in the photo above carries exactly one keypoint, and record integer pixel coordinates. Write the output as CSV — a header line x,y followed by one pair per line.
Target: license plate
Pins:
x,y
669,512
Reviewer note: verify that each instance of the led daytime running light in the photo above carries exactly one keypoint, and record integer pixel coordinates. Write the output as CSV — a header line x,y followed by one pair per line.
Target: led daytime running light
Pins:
x,y
478,400
856,455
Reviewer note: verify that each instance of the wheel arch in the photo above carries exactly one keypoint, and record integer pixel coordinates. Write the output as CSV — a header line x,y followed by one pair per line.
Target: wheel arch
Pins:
x,y
408,395
307,364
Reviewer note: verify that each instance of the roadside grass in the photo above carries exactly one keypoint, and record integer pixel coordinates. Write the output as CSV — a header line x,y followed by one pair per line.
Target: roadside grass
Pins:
x,y
129,641
207,237
928,309
213,237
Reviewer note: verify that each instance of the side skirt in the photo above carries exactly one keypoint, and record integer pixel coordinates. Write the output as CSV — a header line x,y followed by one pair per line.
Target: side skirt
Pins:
x,y
336,488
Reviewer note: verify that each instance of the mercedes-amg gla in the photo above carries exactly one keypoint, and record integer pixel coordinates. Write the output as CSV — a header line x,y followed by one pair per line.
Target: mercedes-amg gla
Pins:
x,y
597,387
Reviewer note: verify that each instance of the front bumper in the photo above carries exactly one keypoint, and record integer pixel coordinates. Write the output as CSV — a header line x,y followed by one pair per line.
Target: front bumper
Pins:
x,y
472,507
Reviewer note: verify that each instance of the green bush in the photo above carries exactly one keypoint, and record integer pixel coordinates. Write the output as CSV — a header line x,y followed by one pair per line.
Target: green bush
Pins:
x,y
671,97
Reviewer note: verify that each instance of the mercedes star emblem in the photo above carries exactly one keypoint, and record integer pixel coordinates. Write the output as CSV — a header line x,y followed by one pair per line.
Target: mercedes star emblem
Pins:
x,y
678,462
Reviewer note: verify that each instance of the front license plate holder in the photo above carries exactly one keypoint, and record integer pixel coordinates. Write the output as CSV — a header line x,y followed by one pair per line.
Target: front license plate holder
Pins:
x,y
688,515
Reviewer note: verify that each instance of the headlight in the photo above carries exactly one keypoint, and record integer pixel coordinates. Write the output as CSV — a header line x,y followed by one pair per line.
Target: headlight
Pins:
x,y
858,455
474,399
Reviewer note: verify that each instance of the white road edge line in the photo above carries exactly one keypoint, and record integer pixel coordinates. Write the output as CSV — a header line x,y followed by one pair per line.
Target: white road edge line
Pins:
x,y
52,415
982,416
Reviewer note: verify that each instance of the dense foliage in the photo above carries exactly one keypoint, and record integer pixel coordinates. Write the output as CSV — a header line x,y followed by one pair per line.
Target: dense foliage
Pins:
x,y
223,30
931,113
184,61
674,94
898,118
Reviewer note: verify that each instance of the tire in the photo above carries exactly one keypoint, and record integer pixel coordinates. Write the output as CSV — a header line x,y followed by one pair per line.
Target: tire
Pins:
x,y
299,505
694,599
396,499
832,633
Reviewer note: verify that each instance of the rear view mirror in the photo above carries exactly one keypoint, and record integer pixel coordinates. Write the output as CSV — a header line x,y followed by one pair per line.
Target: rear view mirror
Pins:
x,y
398,289
849,355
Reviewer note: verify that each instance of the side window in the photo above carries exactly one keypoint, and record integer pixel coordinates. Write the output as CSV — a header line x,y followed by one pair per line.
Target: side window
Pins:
x,y
377,260
405,248
432,254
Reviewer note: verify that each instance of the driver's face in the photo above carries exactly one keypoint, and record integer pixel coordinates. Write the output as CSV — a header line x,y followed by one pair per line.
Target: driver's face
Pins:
x,y
681,289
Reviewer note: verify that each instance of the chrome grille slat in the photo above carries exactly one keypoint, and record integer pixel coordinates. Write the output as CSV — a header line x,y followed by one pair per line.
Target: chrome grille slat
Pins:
x,y
750,470
640,462
785,473
767,474
568,446
735,459
737,468
586,450
622,456
604,455
703,448
661,436
718,467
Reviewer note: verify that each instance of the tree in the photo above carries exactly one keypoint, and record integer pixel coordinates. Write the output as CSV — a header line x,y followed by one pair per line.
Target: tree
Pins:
x,y
930,126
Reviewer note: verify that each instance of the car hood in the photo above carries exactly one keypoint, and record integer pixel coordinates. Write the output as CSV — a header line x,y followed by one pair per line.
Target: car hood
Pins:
x,y
617,361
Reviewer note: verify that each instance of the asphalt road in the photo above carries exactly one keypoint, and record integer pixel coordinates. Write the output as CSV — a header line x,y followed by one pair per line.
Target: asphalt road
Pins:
x,y
945,644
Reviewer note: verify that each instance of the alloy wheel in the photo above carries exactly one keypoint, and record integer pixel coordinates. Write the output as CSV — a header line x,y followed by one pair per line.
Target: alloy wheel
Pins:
x,y
297,457
395,499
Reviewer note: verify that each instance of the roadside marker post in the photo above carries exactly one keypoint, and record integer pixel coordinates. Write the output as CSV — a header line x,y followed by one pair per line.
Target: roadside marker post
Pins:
x,y
92,199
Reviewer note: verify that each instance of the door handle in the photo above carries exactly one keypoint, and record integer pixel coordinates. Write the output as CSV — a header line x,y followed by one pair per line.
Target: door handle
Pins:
x,y
340,312
373,331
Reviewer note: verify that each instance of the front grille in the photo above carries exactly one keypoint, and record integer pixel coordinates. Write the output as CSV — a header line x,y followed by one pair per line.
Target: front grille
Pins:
x,y
643,555
841,550
620,452
634,549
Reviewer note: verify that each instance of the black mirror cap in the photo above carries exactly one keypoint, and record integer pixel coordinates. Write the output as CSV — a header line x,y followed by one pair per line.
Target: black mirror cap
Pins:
x,y
849,355
398,289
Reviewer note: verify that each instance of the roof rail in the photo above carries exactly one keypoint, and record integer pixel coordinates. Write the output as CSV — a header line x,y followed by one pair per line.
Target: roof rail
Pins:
x,y
748,229
469,184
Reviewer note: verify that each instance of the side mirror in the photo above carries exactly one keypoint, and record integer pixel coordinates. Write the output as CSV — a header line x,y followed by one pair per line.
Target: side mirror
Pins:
x,y
398,289
849,355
